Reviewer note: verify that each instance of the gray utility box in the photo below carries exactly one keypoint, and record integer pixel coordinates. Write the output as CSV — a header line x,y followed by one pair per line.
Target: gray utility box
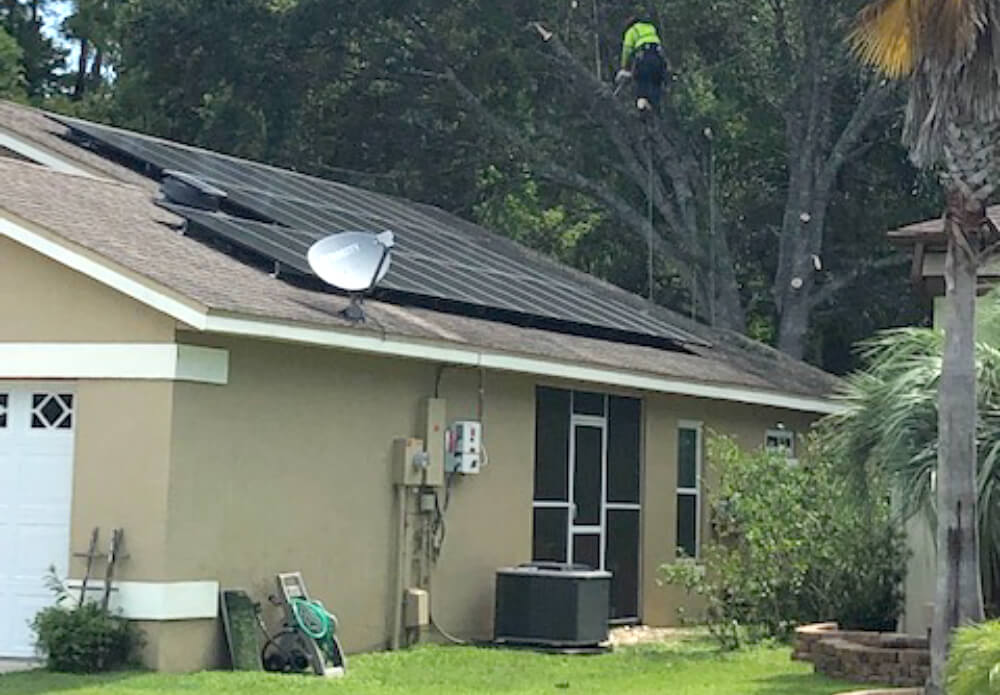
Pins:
x,y
552,604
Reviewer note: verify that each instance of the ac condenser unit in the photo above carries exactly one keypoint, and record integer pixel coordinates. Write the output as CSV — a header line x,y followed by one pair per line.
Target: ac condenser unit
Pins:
x,y
552,604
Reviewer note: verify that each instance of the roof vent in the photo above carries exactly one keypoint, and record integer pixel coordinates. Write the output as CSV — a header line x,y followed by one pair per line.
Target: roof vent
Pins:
x,y
184,189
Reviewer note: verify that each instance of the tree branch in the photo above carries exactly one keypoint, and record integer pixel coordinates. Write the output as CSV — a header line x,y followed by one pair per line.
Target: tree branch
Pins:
x,y
832,286
875,97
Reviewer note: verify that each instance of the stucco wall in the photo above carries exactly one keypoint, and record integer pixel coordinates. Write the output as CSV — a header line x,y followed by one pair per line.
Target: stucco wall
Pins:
x,y
301,434
746,424
43,301
288,467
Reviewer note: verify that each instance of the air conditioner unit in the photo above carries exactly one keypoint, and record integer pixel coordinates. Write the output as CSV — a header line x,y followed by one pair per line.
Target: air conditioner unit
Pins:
x,y
552,604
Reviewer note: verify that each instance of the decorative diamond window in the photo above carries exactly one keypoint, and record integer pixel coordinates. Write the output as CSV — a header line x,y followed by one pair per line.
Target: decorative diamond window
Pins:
x,y
3,410
52,411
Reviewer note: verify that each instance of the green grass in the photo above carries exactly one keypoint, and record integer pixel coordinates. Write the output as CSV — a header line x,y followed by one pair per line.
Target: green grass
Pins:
x,y
693,667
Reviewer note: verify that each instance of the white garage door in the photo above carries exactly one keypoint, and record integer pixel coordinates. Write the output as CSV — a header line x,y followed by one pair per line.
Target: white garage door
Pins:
x,y
36,478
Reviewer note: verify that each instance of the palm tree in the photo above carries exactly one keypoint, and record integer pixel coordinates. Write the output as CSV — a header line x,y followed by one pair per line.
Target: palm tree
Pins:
x,y
888,428
950,51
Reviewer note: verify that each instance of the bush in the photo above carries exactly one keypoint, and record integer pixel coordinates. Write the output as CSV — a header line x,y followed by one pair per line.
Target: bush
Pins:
x,y
792,544
85,639
974,661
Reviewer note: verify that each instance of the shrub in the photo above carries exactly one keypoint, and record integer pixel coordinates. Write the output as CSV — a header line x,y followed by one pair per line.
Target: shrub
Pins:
x,y
792,544
974,661
84,639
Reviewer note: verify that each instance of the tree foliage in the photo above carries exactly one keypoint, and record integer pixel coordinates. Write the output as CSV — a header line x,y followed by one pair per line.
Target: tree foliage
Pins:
x,y
890,424
792,544
11,68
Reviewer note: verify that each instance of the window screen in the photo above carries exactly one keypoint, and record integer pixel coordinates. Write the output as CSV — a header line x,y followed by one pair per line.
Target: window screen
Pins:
x,y
552,444
688,489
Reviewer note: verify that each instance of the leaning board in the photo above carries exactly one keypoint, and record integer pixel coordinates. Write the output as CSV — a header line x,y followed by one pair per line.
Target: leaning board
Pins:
x,y
239,618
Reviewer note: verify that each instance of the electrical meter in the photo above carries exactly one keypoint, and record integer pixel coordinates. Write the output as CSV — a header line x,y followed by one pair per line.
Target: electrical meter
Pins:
x,y
464,447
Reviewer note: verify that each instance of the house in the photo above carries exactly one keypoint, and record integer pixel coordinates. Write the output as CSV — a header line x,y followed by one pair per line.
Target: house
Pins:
x,y
176,372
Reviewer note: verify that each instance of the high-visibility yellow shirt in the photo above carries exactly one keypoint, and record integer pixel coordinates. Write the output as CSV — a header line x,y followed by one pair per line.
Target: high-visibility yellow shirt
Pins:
x,y
637,36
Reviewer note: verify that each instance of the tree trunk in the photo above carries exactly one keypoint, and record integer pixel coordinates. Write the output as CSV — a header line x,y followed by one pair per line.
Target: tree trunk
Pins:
x,y
80,83
96,68
958,593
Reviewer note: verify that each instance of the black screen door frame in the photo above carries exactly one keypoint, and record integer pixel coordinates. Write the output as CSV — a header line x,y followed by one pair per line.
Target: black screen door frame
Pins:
x,y
587,535
576,527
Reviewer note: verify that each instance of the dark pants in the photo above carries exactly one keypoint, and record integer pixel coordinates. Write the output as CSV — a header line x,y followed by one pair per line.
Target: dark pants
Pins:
x,y
650,70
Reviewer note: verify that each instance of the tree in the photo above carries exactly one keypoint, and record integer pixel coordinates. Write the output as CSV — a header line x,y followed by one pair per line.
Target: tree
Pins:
x,y
785,61
94,24
40,57
888,430
371,95
946,49
11,70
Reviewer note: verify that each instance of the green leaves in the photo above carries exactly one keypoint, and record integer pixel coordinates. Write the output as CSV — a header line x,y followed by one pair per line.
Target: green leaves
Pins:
x,y
974,661
86,639
11,70
790,545
888,430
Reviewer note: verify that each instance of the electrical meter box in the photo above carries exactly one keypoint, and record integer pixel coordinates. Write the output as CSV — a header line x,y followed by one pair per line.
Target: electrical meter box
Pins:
x,y
434,434
465,446
409,462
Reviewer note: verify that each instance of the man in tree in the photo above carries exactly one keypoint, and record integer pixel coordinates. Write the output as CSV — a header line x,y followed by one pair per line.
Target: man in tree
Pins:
x,y
642,58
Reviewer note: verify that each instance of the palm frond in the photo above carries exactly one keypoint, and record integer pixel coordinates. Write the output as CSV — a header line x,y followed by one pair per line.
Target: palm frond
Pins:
x,y
883,37
888,428
949,49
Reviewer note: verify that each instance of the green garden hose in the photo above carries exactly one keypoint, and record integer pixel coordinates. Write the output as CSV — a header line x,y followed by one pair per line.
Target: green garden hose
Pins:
x,y
313,619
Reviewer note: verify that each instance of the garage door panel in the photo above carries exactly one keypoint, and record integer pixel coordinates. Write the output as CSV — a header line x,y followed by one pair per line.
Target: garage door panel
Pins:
x,y
39,548
8,478
36,473
44,479
24,607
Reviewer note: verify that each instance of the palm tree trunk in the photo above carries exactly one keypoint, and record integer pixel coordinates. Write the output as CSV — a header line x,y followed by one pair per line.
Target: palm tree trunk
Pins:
x,y
958,593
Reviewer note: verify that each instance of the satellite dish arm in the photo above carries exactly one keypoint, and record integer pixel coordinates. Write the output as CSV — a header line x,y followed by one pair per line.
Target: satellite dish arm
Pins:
x,y
385,255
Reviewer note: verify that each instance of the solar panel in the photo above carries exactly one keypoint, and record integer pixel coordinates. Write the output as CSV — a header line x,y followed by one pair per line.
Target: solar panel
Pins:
x,y
439,260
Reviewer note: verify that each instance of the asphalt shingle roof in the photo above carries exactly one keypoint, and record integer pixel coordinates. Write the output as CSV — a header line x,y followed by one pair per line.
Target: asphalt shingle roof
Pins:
x,y
118,219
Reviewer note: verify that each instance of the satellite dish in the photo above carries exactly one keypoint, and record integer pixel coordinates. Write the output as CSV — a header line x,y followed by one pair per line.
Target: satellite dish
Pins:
x,y
354,262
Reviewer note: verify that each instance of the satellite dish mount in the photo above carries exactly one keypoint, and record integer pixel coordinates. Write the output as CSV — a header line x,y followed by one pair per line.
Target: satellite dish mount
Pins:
x,y
354,262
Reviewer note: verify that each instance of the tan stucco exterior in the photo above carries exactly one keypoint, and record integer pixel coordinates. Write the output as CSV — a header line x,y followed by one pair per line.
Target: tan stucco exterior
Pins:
x,y
746,424
42,301
288,467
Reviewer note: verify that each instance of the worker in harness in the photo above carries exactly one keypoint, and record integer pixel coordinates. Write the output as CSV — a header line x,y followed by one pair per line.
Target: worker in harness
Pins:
x,y
643,60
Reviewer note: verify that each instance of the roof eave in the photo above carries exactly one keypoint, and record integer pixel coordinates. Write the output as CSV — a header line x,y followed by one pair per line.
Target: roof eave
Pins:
x,y
200,318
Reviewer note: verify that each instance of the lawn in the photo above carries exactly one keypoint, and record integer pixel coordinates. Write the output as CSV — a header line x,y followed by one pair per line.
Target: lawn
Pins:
x,y
693,667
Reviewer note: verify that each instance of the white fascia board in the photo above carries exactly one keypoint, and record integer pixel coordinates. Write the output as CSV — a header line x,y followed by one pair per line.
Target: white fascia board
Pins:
x,y
61,252
512,363
347,340
155,601
38,155
656,383
157,361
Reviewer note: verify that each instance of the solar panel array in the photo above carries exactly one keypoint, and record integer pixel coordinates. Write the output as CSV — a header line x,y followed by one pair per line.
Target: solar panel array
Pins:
x,y
438,260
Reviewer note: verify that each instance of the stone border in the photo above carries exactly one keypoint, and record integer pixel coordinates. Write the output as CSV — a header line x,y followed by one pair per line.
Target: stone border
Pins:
x,y
891,658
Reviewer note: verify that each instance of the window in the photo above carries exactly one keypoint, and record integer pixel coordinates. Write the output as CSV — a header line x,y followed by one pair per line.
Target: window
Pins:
x,y
689,451
781,441
3,410
52,411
